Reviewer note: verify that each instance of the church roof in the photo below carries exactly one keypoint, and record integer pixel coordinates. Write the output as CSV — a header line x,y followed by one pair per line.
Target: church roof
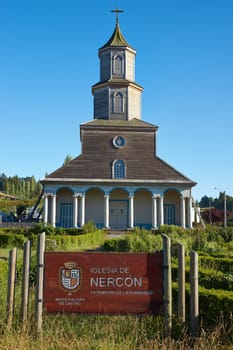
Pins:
x,y
117,39
106,123
85,169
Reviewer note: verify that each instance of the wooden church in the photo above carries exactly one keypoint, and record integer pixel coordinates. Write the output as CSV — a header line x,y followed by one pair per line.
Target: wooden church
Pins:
x,y
118,181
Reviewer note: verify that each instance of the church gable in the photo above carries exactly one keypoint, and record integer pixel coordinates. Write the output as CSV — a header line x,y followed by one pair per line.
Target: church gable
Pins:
x,y
100,152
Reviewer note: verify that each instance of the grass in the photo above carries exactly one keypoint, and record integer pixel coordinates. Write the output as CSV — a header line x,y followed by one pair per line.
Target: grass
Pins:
x,y
106,333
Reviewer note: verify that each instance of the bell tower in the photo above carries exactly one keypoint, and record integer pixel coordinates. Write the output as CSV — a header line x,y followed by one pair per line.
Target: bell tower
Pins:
x,y
116,95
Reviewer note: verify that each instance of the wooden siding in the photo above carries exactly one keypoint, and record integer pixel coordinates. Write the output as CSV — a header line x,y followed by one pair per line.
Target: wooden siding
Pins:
x,y
98,154
105,66
101,104
134,105
129,66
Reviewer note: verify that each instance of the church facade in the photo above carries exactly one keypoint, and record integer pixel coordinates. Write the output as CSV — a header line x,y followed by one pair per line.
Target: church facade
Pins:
x,y
118,181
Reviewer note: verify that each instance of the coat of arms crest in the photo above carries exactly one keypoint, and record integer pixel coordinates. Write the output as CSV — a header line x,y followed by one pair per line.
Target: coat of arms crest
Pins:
x,y
70,276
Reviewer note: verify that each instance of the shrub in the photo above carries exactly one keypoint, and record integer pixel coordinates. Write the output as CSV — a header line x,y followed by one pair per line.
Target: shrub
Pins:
x,y
223,264
11,240
69,242
208,278
89,227
214,303
141,242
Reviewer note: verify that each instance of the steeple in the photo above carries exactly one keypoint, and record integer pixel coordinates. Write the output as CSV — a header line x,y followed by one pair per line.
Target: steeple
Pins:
x,y
117,38
116,95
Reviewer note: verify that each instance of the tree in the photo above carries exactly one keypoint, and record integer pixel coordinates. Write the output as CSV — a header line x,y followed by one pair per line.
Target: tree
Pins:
x,y
67,159
205,202
214,215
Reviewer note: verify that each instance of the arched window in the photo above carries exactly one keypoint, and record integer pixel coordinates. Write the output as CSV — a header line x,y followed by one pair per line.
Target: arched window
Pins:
x,y
118,103
119,171
117,65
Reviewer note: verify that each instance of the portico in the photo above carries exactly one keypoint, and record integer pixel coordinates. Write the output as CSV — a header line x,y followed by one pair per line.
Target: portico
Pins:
x,y
117,208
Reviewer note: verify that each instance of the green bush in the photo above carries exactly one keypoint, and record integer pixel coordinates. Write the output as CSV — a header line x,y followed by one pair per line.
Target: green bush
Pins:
x,y
12,240
226,234
213,306
134,242
67,242
214,303
223,264
89,227
208,278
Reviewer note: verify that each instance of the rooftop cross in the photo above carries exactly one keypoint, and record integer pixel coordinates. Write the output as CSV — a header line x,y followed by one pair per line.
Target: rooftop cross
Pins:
x,y
117,12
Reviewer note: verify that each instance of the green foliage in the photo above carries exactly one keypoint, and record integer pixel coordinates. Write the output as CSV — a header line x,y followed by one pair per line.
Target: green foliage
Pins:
x,y
3,284
215,306
3,272
89,227
24,188
11,240
78,242
221,264
208,278
215,279
135,242
214,303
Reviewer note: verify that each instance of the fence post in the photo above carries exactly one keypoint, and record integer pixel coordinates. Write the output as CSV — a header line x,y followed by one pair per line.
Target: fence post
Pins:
x,y
181,282
194,297
40,280
167,285
25,281
11,286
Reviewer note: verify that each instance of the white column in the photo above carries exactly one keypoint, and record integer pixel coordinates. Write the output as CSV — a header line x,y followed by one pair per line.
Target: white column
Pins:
x,y
75,212
53,221
83,209
45,209
131,211
106,211
154,212
161,219
190,224
182,211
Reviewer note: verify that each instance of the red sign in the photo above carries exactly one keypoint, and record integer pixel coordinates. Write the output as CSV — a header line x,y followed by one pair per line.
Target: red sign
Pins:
x,y
103,283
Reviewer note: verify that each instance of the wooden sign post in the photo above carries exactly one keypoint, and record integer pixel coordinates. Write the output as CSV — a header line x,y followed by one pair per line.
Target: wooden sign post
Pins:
x,y
25,281
167,285
40,280
11,286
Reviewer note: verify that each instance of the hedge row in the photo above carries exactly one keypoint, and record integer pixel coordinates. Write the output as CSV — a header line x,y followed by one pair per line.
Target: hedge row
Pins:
x,y
76,242
12,240
214,306
143,242
53,241
202,235
222,264
89,227
208,278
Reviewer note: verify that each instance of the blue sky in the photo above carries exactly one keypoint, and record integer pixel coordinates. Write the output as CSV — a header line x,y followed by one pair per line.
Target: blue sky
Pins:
x,y
49,61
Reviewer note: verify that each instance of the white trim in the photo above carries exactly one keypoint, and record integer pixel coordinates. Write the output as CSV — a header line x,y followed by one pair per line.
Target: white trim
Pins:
x,y
68,180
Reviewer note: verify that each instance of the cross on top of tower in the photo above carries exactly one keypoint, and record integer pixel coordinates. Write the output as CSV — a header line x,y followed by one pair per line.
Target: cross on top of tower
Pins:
x,y
117,11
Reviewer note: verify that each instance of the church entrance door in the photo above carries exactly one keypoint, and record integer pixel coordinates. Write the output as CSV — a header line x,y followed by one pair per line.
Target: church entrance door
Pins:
x,y
169,214
66,215
118,214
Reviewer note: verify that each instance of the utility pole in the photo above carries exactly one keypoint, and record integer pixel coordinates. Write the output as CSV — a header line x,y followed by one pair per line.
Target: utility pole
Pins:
x,y
225,209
